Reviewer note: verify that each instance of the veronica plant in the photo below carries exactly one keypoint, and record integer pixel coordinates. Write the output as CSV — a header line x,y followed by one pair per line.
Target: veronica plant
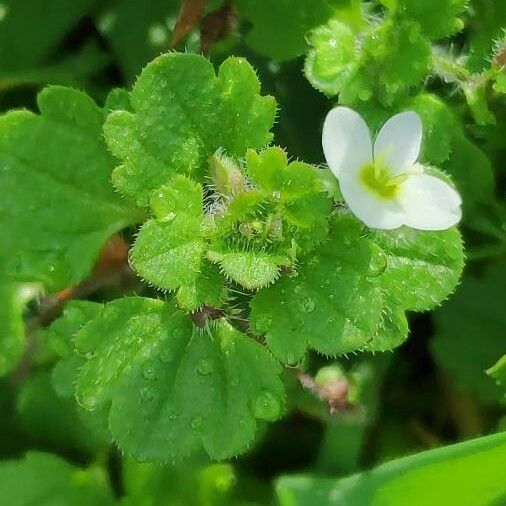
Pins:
x,y
249,259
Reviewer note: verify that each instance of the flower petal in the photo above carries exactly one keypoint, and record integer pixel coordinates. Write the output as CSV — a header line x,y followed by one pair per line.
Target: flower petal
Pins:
x,y
398,142
374,211
430,203
346,141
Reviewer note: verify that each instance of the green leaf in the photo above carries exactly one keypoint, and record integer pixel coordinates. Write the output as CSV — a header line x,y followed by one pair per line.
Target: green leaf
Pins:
x,y
420,268
250,269
193,483
332,60
385,62
470,331
438,18
439,125
182,114
76,314
47,480
173,387
169,251
331,304
351,293
60,337
262,228
468,474
55,235
279,28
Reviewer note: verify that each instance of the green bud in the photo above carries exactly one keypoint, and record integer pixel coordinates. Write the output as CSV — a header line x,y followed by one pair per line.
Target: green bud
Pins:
x,y
228,178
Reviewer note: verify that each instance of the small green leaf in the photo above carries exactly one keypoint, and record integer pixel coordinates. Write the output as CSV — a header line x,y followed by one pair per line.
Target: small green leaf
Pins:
x,y
332,59
251,269
420,268
438,18
389,60
468,474
331,304
172,387
279,28
47,480
169,251
182,113
55,235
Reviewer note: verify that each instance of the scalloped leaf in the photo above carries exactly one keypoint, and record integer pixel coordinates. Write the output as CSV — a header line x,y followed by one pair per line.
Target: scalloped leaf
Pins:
x,y
169,251
421,268
332,305
332,59
182,113
60,335
352,292
390,58
251,269
172,387
55,235
437,18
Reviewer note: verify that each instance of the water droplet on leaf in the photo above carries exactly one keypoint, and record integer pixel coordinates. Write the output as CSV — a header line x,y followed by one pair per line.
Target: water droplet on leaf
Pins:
x,y
307,305
267,407
204,367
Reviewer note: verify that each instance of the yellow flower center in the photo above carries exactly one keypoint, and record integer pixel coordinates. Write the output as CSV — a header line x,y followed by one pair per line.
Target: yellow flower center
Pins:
x,y
378,178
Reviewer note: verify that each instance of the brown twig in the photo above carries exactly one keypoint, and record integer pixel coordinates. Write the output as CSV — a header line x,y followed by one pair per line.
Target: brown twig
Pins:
x,y
190,14
111,265
216,26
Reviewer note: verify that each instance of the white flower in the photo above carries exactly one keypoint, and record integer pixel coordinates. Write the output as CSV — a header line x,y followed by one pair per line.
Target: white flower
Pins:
x,y
384,186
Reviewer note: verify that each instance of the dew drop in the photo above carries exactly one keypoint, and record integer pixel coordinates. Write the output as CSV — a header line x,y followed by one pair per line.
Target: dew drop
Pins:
x,y
204,367
178,333
166,356
149,373
307,305
196,422
147,393
267,407
377,263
